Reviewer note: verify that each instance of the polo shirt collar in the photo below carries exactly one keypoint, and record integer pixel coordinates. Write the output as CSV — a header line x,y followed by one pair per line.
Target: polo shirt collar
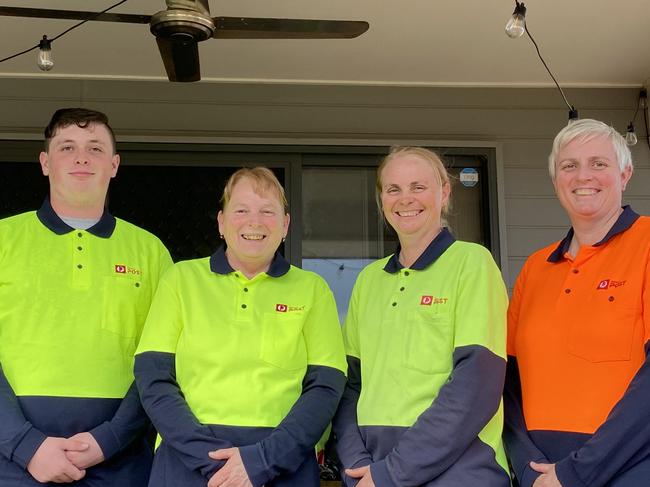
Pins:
x,y
624,221
103,228
436,248
219,264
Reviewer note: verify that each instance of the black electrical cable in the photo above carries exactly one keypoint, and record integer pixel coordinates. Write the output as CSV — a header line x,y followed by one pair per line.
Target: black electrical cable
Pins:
x,y
530,36
87,20
20,53
647,127
64,32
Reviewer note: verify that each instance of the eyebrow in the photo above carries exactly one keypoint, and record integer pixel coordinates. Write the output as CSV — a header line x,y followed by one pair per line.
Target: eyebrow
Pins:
x,y
590,158
412,183
72,141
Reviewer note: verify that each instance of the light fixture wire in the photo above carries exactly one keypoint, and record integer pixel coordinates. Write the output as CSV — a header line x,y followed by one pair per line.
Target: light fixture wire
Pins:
x,y
64,32
539,54
645,118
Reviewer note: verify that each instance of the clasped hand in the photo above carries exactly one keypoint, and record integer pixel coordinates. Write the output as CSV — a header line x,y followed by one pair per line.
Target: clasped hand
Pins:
x,y
233,473
65,460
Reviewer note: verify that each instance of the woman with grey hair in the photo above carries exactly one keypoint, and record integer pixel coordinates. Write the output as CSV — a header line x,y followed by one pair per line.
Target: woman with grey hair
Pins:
x,y
578,377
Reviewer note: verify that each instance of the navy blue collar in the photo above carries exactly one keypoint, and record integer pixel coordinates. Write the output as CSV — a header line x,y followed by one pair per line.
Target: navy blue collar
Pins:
x,y
103,228
624,221
219,264
436,248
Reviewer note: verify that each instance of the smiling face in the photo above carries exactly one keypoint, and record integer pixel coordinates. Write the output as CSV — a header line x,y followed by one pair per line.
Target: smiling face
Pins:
x,y
253,223
79,163
588,180
412,198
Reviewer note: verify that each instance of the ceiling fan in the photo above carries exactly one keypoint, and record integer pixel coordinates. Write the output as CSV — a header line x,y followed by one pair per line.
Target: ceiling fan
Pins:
x,y
185,23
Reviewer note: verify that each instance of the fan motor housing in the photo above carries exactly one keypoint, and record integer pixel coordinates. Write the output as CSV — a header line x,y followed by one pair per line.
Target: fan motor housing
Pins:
x,y
170,23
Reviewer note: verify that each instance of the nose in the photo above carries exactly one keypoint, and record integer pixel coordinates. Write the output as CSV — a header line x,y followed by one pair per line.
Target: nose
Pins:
x,y
81,157
584,172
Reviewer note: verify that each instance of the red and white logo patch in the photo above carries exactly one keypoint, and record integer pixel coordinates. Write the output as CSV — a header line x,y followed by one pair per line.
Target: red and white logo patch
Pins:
x,y
281,308
609,283
426,300
604,284
120,269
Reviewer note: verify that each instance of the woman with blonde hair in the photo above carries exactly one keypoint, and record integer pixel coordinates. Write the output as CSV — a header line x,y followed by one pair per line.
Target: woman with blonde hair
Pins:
x,y
241,362
578,380
425,340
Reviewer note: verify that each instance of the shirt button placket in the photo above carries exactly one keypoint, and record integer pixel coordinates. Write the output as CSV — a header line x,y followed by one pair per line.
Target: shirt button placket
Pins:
x,y
80,274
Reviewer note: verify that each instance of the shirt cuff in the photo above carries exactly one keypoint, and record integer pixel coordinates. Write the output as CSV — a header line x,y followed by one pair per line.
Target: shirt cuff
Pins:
x,y
106,439
258,472
567,474
380,475
528,477
27,447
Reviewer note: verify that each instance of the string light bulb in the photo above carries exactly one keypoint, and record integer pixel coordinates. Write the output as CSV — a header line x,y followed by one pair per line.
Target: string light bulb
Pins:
x,y
630,136
44,59
516,25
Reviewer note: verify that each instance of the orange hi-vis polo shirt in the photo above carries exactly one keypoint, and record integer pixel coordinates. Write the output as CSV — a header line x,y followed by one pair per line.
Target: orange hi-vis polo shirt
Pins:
x,y
578,327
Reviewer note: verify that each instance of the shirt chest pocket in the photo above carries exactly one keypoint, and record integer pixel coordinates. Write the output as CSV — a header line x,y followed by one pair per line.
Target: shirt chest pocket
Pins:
x,y
124,306
428,342
282,343
606,333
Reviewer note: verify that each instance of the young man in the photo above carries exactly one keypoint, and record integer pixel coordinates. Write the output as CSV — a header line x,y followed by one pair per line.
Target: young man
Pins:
x,y
75,288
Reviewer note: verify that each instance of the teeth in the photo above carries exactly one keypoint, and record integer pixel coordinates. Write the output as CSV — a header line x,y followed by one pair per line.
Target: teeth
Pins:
x,y
584,191
408,213
250,236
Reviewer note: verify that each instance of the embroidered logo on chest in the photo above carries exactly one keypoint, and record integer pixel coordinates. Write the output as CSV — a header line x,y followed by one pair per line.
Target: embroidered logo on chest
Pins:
x,y
123,269
609,283
283,308
429,300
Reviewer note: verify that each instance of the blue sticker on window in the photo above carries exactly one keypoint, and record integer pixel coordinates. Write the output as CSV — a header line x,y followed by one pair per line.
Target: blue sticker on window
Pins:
x,y
469,177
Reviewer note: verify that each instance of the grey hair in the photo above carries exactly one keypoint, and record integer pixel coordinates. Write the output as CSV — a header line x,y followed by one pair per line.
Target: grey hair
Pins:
x,y
587,129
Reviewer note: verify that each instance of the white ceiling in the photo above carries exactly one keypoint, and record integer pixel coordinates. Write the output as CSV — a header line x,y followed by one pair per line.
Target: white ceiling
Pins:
x,y
421,42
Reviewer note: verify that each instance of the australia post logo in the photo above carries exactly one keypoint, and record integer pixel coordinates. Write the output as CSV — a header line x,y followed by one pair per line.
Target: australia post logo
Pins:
x,y
283,308
429,300
609,283
124,269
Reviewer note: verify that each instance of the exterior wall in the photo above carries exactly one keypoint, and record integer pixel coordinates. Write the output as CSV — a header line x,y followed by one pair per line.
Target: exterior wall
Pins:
x,y
520,123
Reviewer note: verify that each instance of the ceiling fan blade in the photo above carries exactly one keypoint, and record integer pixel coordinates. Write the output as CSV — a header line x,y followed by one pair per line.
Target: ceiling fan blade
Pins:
x,y
180,55
260,28
44,13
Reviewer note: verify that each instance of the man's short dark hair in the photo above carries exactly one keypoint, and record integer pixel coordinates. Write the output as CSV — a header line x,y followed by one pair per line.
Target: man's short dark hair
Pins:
x,y
81,117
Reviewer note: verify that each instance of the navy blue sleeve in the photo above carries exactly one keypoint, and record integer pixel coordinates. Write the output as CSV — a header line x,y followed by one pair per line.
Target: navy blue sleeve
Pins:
x,y
625,431
442,433
163,400
349,444
284,450
19,440
519,446
128,423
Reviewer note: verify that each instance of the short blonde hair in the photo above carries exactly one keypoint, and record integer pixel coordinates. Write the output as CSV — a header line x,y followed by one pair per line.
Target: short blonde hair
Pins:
x,y
426,155
263,181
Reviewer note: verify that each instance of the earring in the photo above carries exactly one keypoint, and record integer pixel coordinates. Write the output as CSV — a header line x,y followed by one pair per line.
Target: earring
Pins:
x,y
283,239
221,236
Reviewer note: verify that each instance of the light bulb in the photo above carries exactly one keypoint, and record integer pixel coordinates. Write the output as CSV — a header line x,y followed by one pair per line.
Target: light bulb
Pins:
x,y
573,114
44,59
516,25
630,136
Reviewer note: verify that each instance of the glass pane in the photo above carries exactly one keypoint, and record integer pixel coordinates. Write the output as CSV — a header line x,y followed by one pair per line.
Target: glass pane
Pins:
x,y
342,229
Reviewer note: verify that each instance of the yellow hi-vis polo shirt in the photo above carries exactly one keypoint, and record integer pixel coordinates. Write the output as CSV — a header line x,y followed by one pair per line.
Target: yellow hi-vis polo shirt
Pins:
x,y
72,307
242,346
429,342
